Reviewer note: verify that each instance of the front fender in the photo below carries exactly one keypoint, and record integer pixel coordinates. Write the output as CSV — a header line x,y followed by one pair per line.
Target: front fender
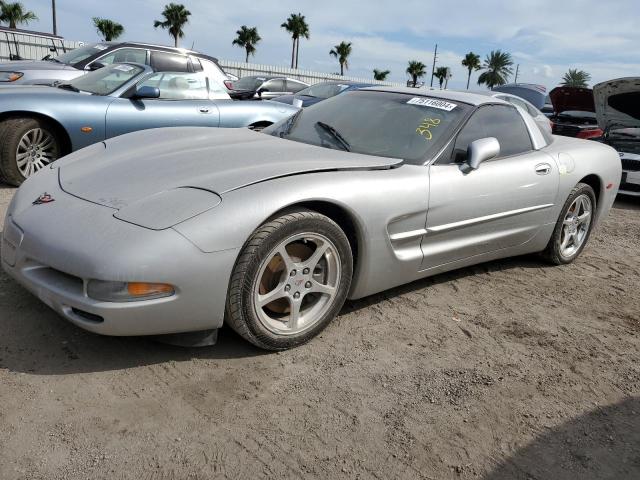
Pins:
x,y
71,116
364,195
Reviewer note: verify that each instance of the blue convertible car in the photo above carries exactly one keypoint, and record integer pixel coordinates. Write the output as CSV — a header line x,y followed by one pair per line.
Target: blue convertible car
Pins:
x,y
39,124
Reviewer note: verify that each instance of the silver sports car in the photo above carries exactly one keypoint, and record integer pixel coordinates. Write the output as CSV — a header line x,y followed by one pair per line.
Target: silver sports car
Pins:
x,y
179,230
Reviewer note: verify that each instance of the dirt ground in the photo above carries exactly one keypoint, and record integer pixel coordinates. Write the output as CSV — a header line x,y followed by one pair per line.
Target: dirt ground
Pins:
x,y
508,370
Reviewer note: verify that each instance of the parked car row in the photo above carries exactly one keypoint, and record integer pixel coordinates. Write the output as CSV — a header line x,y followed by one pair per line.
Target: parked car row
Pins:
x,y
42,123
146,230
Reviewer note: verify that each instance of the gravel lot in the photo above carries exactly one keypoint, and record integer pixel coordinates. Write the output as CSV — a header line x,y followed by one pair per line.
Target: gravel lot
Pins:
x,y
508,370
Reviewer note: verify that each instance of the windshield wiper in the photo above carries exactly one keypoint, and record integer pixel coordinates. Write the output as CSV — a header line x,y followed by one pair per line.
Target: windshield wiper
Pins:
x,y
68,86
335,134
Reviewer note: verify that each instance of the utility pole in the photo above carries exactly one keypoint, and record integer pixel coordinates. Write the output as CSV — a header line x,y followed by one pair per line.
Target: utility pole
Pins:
x,y
517,71
53,11
433,69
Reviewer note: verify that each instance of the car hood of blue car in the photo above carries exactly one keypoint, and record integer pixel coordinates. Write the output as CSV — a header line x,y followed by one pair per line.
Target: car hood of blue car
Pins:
x,y
29,91
127,169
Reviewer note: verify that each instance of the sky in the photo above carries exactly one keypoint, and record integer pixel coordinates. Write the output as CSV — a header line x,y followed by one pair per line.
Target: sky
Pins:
x,y
545,37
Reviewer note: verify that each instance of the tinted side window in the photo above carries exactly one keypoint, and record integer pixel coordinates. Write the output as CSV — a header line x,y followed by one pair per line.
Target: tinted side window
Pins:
x,y
121,55
295,87
169,62
499,121
274,86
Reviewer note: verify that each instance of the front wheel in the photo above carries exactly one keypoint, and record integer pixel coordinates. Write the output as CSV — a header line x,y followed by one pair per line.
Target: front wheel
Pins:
x,y
573,227
26,146
290,280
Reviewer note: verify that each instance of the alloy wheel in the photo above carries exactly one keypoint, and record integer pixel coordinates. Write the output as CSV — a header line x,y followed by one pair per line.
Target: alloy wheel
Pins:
x,y
297,283
36,149
575,226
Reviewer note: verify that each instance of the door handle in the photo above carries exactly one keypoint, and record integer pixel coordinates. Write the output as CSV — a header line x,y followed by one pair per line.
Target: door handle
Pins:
x,y
543,168
204,109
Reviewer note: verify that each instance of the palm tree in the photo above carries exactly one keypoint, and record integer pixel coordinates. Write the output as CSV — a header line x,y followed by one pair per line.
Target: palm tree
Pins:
x,y
380,74
416,70
297,26
109,29
342,52
498,68
247,38
442,74
576,78
175,16
472,62
15,13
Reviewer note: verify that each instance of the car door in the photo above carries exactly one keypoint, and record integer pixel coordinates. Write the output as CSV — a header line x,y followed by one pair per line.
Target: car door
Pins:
x,y
502,204
273,88
184,101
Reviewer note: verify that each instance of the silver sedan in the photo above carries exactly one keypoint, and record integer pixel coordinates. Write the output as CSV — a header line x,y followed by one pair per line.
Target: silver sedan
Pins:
x,y
178,230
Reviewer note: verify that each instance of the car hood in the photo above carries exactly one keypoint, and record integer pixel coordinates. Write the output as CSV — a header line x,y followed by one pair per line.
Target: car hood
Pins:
x,y
33,65
572,99
126,169
617,103
31,90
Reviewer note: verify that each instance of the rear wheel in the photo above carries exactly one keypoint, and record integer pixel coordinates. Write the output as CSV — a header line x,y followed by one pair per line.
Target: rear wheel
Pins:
x,y
290,280
26,146
573,227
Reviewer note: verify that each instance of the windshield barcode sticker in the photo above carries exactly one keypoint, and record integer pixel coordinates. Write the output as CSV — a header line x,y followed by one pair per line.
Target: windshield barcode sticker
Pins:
x,y
431,102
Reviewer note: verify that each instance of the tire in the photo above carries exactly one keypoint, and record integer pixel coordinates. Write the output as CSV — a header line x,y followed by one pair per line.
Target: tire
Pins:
x,y
320,287
555,252
40,134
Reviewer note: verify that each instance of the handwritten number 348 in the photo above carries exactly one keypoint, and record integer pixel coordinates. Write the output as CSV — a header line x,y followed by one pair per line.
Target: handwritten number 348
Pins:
x,y
425,125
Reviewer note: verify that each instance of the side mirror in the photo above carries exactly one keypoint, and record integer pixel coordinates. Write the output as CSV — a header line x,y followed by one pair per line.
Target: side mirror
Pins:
x,y
96,66
147,91
480,151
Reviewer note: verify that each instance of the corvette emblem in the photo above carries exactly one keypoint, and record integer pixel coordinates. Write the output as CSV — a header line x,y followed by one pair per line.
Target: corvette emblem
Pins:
x,y
44,198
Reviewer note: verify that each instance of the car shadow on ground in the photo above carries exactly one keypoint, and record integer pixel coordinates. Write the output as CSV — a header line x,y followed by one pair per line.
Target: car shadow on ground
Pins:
x,y
603,443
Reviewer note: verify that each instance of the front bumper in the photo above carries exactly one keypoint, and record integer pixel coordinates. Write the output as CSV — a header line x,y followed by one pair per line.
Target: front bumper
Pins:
x,y
54,257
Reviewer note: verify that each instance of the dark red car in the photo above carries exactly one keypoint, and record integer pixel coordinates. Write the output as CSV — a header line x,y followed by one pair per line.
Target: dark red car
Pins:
x,y
574,113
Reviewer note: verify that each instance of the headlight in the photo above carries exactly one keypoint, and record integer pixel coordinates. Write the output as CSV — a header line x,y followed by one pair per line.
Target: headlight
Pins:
x,y
10,76
127,291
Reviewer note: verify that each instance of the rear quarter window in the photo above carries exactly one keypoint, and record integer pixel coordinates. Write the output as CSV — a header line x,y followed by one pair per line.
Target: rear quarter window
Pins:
x,y
169,62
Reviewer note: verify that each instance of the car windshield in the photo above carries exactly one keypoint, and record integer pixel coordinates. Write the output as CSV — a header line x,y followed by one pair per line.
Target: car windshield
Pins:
x,y
323,90
79,54
249,83
106,80
387,124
